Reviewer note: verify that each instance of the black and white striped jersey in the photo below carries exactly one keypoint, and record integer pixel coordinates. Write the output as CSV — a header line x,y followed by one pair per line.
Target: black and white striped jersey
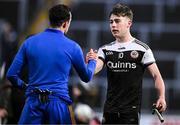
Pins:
x,y
125,64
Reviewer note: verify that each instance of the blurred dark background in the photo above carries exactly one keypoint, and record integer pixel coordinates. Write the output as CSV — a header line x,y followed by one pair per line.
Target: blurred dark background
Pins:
x,y
156,22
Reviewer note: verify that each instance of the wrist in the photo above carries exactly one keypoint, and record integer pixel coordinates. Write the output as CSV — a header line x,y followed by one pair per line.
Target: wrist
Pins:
x,y
161,97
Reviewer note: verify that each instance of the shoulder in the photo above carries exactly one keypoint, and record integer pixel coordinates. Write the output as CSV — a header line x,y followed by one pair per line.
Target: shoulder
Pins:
x,y
32,37
73,45
141,44
108,45
72,42
28,39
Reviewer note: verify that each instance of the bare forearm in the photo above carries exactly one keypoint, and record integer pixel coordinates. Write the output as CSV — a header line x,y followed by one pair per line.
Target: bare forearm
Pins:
x,y
99,66
159,84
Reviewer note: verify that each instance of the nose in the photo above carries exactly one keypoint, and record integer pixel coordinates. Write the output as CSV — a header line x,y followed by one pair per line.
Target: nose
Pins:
x,y
113,24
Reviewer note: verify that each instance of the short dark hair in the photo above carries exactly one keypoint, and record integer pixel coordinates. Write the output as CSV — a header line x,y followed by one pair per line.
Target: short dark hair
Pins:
x,y
122,10
59,14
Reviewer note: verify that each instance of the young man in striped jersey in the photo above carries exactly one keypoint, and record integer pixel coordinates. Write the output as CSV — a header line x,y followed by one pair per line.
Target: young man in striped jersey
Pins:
x,y
126,59
49,56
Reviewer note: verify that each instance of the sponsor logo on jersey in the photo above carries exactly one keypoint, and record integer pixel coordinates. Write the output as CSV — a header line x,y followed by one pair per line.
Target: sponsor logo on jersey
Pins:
x,y
121,65
134,54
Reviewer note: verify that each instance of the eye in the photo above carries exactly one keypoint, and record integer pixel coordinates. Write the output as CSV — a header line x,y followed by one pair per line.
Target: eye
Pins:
x,y
110,21
117,21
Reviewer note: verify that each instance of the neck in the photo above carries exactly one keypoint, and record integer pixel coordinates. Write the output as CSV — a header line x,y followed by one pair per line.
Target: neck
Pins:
x,y
60,29
126,38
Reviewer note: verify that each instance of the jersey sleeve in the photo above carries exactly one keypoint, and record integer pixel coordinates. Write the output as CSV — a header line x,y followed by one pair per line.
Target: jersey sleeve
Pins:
x,y
85,72
101,54
148,58
13,73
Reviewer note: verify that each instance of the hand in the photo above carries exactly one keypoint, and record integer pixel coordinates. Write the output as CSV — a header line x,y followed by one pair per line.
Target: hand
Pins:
x,y
161,104
91,55
3,113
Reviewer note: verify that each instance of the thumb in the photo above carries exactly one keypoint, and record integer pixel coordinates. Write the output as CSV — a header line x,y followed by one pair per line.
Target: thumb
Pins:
x,y
91,50
157,104
95,51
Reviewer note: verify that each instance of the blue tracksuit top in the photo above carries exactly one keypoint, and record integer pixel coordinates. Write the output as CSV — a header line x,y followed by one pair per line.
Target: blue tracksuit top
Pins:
x,y
49,56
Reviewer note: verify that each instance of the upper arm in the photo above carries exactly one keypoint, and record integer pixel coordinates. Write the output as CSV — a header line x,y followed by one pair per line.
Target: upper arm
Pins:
x,y
18,61
14,70
149,62
148,58
152,69
78,58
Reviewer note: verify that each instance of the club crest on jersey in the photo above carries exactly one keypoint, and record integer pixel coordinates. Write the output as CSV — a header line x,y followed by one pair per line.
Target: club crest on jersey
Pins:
x,y
134,54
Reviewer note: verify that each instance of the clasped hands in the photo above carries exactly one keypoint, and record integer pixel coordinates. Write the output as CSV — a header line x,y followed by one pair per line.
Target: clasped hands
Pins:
x,y
92,54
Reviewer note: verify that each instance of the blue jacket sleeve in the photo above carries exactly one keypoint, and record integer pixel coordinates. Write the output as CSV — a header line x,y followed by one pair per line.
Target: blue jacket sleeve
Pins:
x,y
85,72
13,73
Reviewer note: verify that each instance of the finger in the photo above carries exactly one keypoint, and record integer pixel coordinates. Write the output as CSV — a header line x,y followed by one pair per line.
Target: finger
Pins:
x,y
91,51
93,56
86,59
162,107
88,53
157,104
95,51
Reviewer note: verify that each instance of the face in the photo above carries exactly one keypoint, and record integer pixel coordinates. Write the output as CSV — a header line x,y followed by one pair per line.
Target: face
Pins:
x,y
119,25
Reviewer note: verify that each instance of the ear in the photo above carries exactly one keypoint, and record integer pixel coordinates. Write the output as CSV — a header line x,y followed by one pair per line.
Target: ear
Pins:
x,y
64,24
129,23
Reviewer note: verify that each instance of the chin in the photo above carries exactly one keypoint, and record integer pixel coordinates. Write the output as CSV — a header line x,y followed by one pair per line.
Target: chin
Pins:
x,y
115,35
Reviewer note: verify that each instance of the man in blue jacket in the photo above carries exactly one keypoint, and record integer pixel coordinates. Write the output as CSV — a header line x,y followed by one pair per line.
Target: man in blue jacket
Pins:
x,y
49,56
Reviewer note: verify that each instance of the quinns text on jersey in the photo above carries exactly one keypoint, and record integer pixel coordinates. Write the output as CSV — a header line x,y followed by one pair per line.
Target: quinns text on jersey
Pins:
x,y
123,61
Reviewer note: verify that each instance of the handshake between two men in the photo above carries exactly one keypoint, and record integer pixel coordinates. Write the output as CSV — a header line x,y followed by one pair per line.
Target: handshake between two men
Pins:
x,y
92,54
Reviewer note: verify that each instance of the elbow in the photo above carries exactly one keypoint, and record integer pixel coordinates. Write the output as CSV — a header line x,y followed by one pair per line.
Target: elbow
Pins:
x,y
87,79
8,76
86,76
11,78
